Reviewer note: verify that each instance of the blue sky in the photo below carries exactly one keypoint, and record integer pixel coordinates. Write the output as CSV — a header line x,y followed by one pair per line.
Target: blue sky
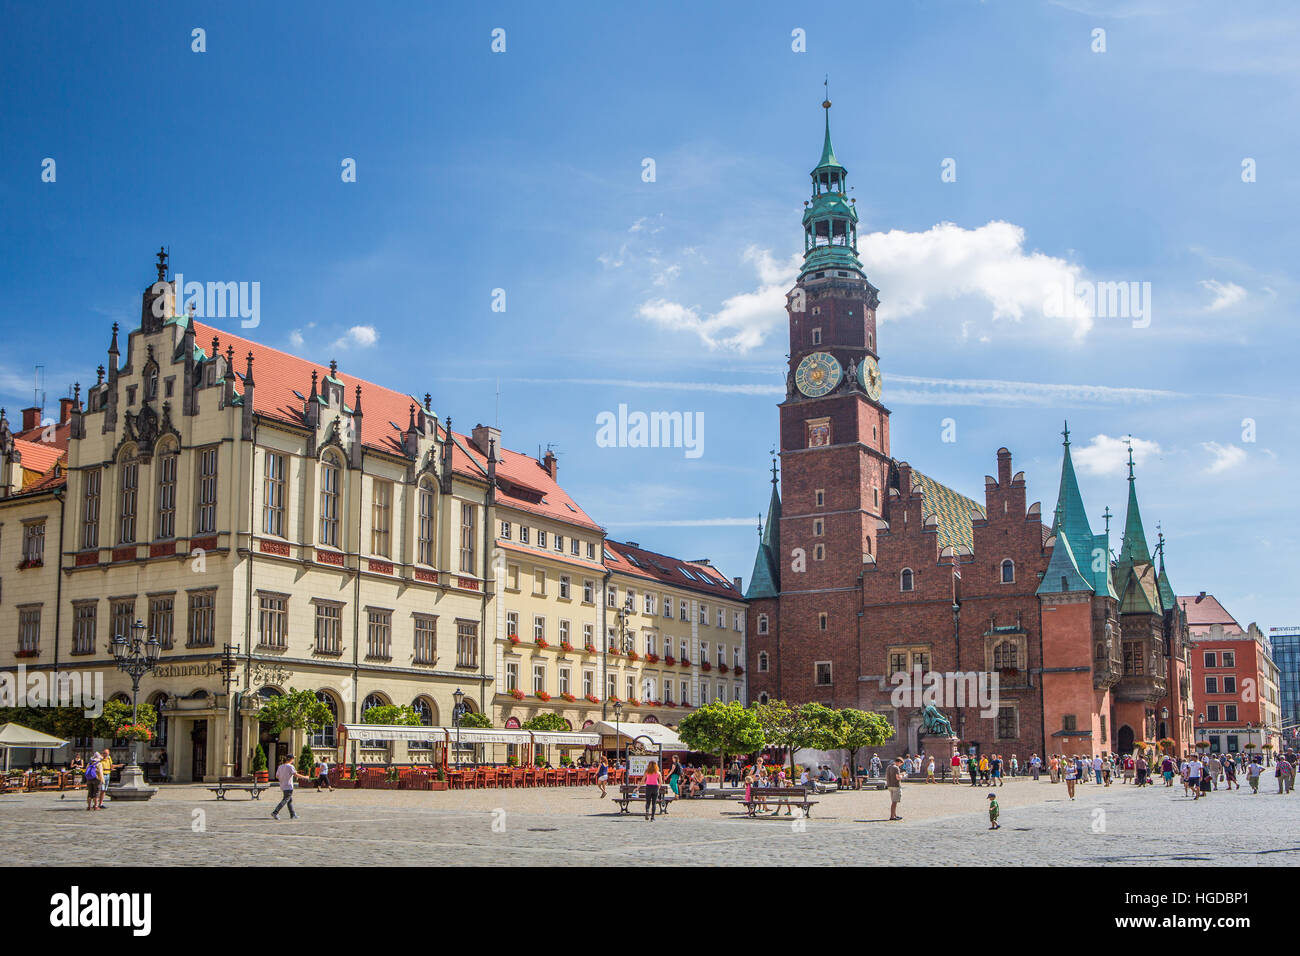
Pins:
x,y
522,171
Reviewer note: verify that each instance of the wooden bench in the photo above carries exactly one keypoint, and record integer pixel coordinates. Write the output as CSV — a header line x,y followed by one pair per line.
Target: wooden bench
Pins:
x,y
631,791
780,796
239,784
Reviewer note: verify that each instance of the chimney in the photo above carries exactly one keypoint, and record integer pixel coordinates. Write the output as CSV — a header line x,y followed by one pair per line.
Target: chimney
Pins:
x,y
66,405
736,583
484,435
31,418
551,464
1200,598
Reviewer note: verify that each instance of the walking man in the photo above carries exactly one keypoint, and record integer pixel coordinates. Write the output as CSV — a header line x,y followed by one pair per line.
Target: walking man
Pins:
x,y
323,775
286,774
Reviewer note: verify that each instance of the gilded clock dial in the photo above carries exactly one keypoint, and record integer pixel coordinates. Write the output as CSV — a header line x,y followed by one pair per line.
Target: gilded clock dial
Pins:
x,y
869,373
817,374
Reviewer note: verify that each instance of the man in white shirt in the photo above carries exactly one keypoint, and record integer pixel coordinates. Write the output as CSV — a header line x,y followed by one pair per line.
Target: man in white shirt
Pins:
x,y
285,773
1194,769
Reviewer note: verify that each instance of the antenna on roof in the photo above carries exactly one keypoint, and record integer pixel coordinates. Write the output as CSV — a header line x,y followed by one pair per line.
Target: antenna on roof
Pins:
x,y
497,418
38,391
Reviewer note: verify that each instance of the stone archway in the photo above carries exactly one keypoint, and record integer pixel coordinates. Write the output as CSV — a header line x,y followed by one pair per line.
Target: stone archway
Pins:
x,y
1125,739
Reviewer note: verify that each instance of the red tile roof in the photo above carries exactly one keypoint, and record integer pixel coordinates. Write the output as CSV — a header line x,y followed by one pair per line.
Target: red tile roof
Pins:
x,y
276,375
58,436
1204,609
652,566
39,456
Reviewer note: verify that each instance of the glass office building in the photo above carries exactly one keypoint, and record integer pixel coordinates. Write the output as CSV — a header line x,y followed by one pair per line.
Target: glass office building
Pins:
x,y
1285,642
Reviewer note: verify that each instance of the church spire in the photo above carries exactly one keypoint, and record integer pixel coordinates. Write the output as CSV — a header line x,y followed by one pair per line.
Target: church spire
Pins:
x,y
1134,549
765,580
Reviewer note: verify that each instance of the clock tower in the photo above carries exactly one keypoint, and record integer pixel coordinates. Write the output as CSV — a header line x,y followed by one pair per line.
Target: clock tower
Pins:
x,y
835,464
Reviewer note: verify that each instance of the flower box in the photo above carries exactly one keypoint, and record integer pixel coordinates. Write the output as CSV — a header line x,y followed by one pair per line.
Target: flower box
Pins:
x,y
31,652
518,694
589,648
566,646
633,656
723,668
543,696
514,638
542,642
615,700
613,652
652,658
706,666
670,660
30,563
738,670
685,662
569,697
634,702
592,698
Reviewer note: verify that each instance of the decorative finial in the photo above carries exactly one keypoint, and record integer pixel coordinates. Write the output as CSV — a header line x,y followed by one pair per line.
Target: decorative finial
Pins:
x,y
230,357
760,526
76,394
773,453
248,374
313,383
162,264
216,346
100,372
427,399
356,410
826,103
1106,515
334,368
112,346
1066,432
410,427
1129,441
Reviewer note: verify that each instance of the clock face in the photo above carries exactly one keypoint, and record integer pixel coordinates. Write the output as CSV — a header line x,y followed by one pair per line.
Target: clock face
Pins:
x,y
817,374
869,372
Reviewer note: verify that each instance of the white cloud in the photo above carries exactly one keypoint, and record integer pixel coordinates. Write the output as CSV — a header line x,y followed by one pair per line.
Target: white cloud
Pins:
x,y
744,320
918,390
1223,457
359,336
1225,294
1108,456
296,339
919,269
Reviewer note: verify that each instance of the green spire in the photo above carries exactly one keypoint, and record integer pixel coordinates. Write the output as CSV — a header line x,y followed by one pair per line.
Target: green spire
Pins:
x,y
1134,549
765,580
1168,600
1078,551
830,223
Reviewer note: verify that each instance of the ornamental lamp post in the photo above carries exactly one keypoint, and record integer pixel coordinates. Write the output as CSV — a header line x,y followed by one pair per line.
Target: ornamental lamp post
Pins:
x,y
456,712
618,736
135,656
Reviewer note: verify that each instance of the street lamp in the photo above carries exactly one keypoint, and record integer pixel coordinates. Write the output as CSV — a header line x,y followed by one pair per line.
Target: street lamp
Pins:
x,y
135,656
456,712
618,736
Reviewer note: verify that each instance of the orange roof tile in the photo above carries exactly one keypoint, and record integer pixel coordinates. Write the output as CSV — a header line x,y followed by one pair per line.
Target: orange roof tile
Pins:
x,y
39,456
277,374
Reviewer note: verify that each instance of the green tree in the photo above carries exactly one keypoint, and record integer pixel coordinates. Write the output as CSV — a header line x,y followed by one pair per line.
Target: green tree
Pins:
x,y
118,712
724,729
66,722
401,715
797,728
856,729
306,761
259,759
296,710
547,720
475,720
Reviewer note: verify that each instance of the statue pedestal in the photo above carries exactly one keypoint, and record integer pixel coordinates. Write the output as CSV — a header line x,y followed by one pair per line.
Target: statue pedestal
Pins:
x,y
133,786
941,749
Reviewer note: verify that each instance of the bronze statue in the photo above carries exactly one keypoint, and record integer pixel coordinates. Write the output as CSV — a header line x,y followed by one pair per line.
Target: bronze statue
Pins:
x,y
936,724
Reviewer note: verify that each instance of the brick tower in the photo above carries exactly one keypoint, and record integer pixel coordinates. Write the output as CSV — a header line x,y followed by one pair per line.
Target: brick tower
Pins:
x,y
834,456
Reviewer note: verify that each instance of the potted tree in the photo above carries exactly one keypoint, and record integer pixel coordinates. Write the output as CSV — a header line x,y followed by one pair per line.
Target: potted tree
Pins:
x,y
259,765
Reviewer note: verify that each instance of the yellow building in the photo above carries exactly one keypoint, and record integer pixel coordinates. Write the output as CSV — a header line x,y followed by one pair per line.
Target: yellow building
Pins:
x,y
238,500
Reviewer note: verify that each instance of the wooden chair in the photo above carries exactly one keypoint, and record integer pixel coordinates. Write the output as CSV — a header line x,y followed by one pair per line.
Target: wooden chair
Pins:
x,y
504,777
456,779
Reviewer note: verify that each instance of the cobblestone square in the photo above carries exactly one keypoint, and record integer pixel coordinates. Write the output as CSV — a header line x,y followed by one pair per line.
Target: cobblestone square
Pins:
x,y
943,824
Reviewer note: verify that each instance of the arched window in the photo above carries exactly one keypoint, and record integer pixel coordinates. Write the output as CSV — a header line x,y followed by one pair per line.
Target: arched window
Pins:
x,y
325,736
762,624
331,473
370,703
1008,571
128,487
165,496
905,580
421,706
1005,655
159,703
762,698
762,662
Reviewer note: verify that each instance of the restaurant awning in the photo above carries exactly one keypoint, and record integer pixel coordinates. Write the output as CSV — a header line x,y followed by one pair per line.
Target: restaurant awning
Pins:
x,y
471,735
662,736
16,735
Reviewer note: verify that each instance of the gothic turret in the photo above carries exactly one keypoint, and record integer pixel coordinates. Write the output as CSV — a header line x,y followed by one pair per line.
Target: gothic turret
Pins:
x,y
765,580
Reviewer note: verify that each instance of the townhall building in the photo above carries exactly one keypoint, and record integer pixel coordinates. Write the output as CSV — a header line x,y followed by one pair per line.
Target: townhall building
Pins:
x,y
340,538
868,567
